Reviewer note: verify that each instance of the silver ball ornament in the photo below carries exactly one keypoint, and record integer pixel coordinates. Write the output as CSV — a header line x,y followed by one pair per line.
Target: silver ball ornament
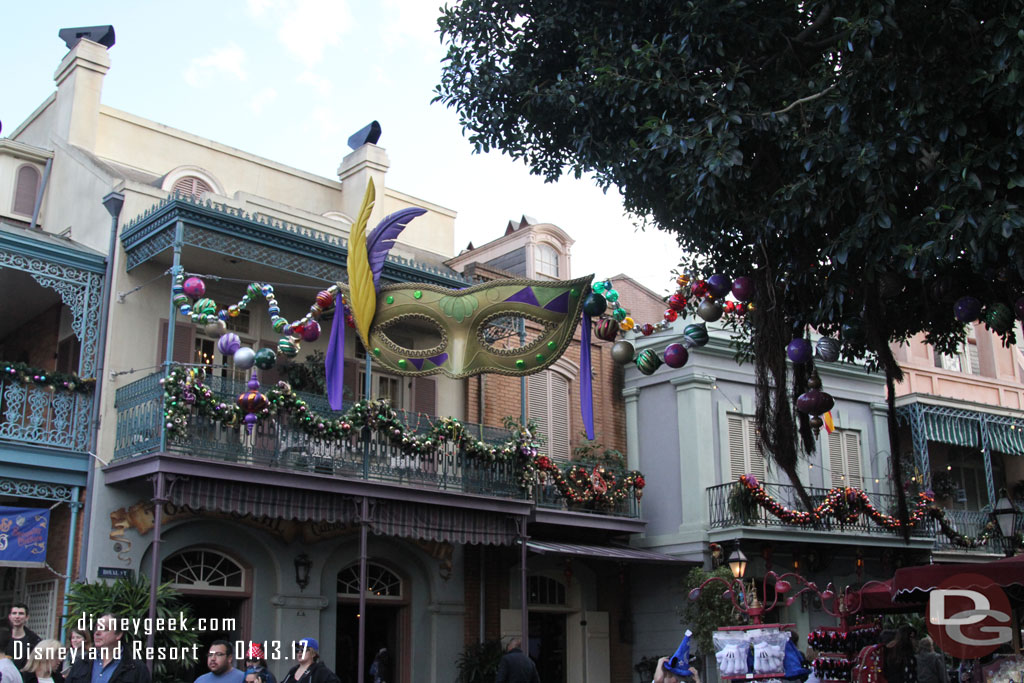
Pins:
x,y
623,352
244,358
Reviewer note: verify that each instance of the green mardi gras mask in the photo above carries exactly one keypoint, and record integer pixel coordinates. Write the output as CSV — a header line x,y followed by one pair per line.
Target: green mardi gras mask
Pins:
x,y
422,329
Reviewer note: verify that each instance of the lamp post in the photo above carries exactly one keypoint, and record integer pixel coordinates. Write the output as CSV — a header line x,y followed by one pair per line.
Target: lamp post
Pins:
x,y
1004,514
744,595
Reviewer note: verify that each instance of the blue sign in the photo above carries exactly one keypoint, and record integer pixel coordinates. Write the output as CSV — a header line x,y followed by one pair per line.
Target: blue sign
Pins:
x,y
23,534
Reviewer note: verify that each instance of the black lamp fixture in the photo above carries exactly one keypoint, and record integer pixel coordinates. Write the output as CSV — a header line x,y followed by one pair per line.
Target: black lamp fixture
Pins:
x,y
1004,514
737,562
302,566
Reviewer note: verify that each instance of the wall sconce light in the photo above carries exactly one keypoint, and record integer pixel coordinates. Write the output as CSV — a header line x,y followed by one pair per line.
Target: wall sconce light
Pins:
x,y
302,566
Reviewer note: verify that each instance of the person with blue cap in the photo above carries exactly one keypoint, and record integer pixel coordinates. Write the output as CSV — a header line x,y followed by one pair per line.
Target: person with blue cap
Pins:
x,y
309,668
676,668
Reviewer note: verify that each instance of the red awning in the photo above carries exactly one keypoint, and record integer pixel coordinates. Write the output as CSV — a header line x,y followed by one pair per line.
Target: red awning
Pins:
x,y
1005,572
876,596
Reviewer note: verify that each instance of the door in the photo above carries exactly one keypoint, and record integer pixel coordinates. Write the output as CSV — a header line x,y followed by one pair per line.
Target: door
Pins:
x,y
382,631
547,645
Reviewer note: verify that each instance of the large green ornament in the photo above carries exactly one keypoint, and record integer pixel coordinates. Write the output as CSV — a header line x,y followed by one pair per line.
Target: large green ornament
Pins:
x,y
647,362
594,305
695,335
999,318
204,307
265,359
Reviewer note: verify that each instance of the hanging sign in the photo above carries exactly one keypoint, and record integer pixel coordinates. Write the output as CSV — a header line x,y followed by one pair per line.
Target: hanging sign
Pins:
x,y
23,534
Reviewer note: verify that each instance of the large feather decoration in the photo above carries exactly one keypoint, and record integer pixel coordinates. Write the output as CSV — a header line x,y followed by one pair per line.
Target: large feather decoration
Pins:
x,y
383,237
362,293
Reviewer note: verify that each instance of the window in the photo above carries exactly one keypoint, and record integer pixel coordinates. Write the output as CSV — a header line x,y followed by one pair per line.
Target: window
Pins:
x,y
543,590
548,397
546,261
42,606
844,458
191,186
745,455
203,570
381,582
25,190
964,361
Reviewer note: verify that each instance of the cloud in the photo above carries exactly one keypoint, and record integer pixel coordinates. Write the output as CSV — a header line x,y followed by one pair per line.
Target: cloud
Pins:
x,y
325,121
257,8
322,85
410,21
309,26
227,60
261,99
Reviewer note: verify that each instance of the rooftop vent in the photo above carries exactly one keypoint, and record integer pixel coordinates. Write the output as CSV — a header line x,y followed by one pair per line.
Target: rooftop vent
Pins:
x,y
104,35
368,135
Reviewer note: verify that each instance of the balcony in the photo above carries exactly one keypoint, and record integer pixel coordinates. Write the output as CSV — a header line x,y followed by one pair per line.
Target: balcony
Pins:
x,y
281,445
37,416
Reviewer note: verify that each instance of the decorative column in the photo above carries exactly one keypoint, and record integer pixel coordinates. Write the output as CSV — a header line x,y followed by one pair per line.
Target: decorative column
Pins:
x,y
879,443
632,399
919,437
986,454
697,470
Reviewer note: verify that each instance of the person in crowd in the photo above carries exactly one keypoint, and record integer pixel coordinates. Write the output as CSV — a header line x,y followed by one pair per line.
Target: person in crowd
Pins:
x,y
661,675
8,672
17,618
44,663
220,661
931,666
255,661
255,676
516,666
79,642
867,666
380,670
899,661
113,662
309,668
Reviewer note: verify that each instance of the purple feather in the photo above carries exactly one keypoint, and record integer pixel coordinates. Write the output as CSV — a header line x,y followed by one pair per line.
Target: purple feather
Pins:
x,y
383,237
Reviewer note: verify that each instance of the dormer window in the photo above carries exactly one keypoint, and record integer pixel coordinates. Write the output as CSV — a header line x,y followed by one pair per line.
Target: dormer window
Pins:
x,y
25,189
191,186
546,261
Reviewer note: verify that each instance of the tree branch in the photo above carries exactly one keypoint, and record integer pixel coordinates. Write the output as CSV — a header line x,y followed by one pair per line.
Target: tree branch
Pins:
x,y
803,100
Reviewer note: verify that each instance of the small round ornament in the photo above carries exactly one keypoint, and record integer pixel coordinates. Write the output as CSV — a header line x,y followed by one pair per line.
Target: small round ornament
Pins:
x,y
278,324
620,314
799,350
288,348
627,324
967,309
647,329
670,315
244,358
814,402
325,300
695,335
205,307
594,304
623,352
254,290
194,287
611,295
743,288
710,310
229,343
606,329
816,422
828,349
311,331
598,287
999,318
699,288
677,302
647,362
676,355
265,359
719,285
852,331
181,299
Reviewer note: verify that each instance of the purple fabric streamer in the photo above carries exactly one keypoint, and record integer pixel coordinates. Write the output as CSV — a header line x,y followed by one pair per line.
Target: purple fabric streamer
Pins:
x,y
335,361
586,381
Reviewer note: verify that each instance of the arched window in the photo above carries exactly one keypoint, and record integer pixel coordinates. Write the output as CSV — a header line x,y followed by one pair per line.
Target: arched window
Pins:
x,y
199,569
543,590
381,582
25,189
546,260
191,186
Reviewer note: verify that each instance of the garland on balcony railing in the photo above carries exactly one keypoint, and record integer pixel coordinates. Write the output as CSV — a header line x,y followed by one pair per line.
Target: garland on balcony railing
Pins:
x,y
185,392
847,504
57,381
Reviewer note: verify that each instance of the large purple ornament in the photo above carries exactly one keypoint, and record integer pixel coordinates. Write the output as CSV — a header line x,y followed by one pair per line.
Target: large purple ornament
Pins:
x,y
743,288
815,402
311,331
799,350
719,285
676,355
194,287
967,309
229,343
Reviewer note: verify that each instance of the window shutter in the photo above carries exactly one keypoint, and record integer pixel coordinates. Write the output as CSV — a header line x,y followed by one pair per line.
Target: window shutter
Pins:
x,y
835,458
558,436
851,440
25,190
537,408
184,343
737,459
972,359
755,458
424,397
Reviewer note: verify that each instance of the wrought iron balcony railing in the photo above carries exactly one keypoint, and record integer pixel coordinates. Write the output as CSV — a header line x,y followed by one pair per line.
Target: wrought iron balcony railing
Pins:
x,y
280,444
43,417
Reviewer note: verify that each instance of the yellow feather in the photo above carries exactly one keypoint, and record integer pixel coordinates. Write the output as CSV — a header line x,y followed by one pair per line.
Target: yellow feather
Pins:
x,y
363,296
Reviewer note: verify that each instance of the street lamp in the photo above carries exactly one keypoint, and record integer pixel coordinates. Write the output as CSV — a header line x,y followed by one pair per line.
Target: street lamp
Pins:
x,y
738,563
1004,514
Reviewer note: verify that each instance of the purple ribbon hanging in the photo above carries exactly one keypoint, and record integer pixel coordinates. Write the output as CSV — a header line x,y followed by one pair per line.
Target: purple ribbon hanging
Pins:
x,y
335,361
586,381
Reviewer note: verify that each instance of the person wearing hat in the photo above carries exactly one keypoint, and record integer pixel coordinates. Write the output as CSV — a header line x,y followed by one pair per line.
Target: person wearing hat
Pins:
x,y
309,668
676,669
256,662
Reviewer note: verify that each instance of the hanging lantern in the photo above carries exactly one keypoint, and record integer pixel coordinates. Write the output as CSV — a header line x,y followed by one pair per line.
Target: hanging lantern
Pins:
x,y
814,402
252,402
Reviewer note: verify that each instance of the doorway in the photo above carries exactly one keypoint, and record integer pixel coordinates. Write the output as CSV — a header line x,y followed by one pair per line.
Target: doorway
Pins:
x,y
382,630
547,645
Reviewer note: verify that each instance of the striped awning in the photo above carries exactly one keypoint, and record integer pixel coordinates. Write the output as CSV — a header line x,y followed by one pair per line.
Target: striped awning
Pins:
x,y
1008,439
387,517
957,431
601,552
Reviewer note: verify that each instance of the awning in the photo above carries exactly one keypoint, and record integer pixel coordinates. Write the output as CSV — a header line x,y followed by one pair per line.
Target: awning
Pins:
x,y
958,431
615,553
1005,572
876,596
1007,439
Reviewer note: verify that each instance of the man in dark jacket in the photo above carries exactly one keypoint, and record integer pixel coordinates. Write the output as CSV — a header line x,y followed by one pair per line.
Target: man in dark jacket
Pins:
x,y
23,639
113,661
516,666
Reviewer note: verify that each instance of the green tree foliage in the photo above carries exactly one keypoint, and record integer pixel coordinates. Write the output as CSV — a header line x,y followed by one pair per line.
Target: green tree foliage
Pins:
x,y
709,611
478,662
129,597
862,161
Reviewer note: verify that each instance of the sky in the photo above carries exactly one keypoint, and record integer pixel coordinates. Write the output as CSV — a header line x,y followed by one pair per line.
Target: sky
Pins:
x,y
290,80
